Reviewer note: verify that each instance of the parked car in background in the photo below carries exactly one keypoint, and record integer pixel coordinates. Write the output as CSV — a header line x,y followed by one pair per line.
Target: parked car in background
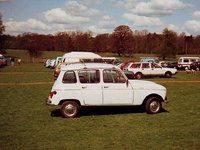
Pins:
x,y
185,62
142,69
195,66
149,59
48,63
74,57
172,64
3,61
52,63
111,60
124,65
58,60
101,84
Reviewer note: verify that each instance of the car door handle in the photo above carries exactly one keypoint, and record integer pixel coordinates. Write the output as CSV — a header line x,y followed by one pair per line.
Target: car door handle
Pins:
x,y
84,87
106,86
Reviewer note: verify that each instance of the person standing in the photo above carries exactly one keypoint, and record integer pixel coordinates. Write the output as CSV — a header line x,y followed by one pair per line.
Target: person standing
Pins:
x,y
12,61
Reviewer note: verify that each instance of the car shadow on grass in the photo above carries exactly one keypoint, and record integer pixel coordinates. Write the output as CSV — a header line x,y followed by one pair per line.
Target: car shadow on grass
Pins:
x,y
106,110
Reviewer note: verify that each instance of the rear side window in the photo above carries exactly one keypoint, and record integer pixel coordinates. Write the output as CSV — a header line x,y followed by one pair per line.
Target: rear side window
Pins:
x,y
69,77
145,65
193,60
89,76
113,76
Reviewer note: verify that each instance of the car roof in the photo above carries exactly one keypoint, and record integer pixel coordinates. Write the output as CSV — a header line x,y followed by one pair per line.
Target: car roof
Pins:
x,y
81,55
75,66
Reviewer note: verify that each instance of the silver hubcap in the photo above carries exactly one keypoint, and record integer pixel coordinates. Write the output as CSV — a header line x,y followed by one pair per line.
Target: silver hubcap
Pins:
x,y
138,76
154,106
70,110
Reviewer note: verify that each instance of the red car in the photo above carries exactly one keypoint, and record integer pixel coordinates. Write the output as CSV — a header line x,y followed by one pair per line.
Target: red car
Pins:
x,y
125,65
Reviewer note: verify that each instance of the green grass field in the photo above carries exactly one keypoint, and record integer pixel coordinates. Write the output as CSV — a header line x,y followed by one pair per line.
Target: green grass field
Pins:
x,y
27,123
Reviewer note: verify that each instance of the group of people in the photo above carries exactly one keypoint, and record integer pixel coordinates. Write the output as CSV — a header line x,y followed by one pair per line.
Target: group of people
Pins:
x,y
12,61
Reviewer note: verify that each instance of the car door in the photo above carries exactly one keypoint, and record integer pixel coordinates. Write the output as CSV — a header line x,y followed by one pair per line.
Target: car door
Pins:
x,y
145,68
116,91
90,86
156,70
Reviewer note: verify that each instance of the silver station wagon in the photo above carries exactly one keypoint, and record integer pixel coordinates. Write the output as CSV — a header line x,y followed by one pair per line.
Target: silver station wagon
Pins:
x,y
100,84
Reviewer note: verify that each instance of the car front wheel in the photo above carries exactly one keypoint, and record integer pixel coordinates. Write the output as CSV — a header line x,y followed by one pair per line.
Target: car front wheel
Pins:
x,y
168,75
153,105
70,109
138,75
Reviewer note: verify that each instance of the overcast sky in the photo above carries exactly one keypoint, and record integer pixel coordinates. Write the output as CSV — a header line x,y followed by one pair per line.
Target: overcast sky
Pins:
x,y
100,16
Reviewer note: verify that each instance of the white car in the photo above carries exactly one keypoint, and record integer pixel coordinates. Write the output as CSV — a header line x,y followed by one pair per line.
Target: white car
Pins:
x,y
100,84
141,69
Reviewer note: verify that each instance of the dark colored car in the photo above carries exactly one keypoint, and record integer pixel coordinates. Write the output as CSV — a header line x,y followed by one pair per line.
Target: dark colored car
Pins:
x,y
172,64
129,74
195,66
125,64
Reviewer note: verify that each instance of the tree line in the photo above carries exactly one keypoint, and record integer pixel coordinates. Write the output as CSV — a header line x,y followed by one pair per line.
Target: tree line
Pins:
x,y
123,41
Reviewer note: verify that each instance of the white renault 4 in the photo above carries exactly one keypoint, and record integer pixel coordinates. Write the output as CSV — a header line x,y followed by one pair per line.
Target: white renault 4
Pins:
x,y
100,84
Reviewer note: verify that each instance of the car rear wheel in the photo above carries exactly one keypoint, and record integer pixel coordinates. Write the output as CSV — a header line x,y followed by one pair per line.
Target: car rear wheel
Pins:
x,y
70,109
138,75
168,75
153,105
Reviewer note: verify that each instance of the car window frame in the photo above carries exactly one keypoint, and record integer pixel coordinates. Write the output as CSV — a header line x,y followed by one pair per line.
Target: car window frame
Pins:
x,y
87,79
74,80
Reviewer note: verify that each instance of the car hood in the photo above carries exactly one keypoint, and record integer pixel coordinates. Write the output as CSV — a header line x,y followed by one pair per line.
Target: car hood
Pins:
x,y
145,85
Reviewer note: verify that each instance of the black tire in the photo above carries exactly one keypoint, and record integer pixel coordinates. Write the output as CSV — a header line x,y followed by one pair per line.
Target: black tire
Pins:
x,y
153,105
70,109
168,74
138,75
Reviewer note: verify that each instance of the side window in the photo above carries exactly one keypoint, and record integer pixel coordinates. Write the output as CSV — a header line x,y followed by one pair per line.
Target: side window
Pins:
x,y
89,76
113,76
186,60
69,77
145,65
153,65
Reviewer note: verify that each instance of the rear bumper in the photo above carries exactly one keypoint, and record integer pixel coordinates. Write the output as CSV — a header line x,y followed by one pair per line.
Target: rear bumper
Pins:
x,y
48,101
165,100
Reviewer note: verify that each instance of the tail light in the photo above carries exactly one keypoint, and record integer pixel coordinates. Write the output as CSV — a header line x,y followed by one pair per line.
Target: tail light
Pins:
x,y
52,93
132,74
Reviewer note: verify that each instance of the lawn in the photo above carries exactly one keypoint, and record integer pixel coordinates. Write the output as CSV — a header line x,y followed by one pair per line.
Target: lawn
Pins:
x,y
27,123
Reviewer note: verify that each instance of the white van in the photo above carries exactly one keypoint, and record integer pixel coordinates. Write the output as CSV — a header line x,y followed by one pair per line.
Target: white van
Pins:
x,y
79,56
184,62
73,57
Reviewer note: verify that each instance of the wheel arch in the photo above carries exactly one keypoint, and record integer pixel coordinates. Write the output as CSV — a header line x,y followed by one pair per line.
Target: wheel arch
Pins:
x,y
139,72
167,73
74,100
153,95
